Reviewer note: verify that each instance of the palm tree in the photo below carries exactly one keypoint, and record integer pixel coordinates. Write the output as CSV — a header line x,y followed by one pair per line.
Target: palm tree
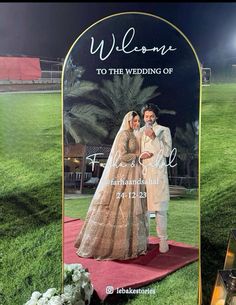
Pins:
x,y
124,94
119,96
80,121
73,86
92,111
82,124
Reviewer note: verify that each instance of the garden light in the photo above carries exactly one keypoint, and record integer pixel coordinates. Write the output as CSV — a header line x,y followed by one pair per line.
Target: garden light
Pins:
x,y
225,288
230,260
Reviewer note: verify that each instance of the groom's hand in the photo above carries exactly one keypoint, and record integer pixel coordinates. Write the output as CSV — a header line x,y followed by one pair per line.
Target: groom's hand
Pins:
x,y
146,155
150,133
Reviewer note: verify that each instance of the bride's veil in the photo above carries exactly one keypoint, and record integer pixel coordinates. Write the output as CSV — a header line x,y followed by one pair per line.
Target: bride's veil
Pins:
x,y
103,192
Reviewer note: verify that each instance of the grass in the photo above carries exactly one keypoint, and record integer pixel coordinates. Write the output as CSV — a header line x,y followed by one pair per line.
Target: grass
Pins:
x,y
30,262
30,195
180,287
182,217
218,183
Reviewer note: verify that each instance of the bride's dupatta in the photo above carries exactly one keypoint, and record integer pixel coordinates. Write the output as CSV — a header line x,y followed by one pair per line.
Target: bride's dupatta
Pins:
x,y
104,192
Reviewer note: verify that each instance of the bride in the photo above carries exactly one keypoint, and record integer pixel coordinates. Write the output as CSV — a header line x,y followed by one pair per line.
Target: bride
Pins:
x,y
116,225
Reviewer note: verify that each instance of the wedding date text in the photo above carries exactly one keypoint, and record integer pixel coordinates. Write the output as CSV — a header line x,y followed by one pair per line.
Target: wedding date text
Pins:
x,y
120,195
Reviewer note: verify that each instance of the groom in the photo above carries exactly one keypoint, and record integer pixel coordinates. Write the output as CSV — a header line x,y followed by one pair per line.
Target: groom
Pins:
x,y
157,140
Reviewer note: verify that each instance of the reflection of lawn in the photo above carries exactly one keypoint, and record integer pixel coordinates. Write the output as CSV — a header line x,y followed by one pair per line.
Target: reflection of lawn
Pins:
x,y
179,287
182,217
218,183
30,196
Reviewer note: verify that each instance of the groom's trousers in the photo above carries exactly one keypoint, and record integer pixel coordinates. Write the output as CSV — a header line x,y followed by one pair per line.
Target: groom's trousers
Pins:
x,y
161,223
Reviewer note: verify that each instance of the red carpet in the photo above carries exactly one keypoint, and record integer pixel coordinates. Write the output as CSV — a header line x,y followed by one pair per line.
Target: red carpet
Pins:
x,y
132,273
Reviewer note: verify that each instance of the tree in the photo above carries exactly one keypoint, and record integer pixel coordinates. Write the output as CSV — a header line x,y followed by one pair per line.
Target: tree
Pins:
x,y
81,124
80,121
123,94
186,143
92,112
73,86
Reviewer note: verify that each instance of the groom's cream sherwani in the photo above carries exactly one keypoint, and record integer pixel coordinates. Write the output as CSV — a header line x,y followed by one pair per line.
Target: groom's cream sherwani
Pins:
x,y
155,169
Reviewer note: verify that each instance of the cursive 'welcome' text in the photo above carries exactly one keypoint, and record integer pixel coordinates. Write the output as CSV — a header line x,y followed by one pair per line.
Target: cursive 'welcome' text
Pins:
x,y
126,46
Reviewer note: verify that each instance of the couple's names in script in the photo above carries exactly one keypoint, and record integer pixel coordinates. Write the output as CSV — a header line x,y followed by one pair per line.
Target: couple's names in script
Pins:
x,y
126,46
158,162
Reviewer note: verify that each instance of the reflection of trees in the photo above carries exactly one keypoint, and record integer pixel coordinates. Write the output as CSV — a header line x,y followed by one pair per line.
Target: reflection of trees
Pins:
x,y
186,142
73,86
93,113
123,94
102,108
81,123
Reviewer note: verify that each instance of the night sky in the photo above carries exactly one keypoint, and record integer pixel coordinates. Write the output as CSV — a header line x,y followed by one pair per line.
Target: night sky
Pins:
x,y
48,30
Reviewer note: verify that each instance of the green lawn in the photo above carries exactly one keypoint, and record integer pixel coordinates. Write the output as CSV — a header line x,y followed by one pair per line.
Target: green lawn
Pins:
x,y
218,182
183,220
31,261
178,288
30,195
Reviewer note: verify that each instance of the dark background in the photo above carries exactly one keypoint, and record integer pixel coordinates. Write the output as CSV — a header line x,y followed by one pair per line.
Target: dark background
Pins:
x,y
179,90
49,29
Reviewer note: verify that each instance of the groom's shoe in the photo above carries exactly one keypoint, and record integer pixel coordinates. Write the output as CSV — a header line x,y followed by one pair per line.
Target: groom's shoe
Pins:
x,y
163,246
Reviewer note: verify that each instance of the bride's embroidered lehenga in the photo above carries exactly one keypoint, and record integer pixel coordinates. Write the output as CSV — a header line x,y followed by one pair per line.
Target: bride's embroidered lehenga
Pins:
x,y
116,225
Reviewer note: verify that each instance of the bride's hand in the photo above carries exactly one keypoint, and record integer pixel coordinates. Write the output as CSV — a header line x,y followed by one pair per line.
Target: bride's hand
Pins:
x,y
146,155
